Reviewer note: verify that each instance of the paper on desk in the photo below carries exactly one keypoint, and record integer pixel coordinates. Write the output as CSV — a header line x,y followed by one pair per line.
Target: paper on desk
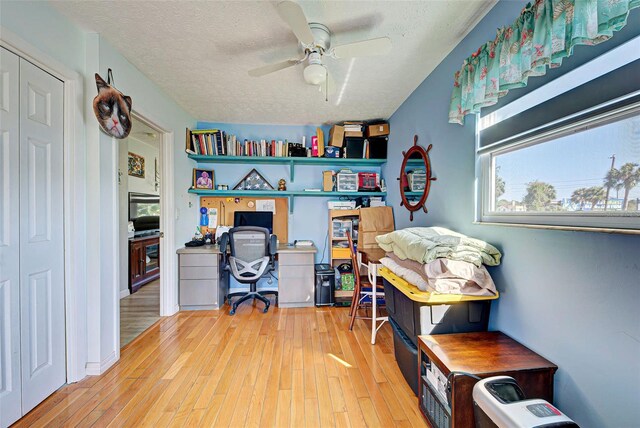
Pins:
x,y
266,205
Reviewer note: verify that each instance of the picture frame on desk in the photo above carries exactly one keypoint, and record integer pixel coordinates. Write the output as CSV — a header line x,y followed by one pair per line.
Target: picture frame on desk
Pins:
x,y
203,178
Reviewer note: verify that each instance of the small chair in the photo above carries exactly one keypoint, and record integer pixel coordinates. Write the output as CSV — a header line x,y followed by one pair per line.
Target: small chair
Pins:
x,y
251,257
365,295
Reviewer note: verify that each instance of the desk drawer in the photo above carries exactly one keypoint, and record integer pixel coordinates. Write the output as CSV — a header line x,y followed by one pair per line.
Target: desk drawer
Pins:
x,y
198,272
199,260
296,285
298,259
195,292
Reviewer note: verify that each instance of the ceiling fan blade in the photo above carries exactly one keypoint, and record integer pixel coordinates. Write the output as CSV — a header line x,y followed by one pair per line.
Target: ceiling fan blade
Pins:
x,y
271,68
292,14
380,46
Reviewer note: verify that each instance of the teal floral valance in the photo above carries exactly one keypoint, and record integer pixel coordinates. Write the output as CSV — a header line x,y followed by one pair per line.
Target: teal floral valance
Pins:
x,y
541,37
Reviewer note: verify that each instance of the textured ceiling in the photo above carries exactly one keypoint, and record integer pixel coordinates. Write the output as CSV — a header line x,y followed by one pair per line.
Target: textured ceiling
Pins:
x,y
200,52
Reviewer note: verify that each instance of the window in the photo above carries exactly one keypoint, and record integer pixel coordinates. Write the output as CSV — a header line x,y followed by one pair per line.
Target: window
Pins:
x,y
568,153
586,174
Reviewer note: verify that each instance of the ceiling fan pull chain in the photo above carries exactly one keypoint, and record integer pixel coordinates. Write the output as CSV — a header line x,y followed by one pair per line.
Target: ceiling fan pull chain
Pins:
x,y
326,85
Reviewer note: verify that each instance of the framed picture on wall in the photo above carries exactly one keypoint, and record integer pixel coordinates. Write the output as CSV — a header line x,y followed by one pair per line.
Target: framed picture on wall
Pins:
x,y
202,178
136,165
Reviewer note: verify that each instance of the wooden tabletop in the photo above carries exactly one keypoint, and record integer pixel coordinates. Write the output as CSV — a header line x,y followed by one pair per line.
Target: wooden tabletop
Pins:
x,y
371,254
144,237
482,353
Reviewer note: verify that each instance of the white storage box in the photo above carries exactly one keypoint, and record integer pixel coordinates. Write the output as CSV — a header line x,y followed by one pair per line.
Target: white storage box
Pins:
x,y
340,228
347,181
342,205
417,181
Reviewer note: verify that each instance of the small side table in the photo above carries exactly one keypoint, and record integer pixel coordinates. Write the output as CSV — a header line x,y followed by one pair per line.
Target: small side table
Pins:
x,y
370,259
490,353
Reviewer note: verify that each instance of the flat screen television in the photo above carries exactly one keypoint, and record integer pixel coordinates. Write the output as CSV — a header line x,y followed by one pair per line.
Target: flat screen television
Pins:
x,y
144,211
254,218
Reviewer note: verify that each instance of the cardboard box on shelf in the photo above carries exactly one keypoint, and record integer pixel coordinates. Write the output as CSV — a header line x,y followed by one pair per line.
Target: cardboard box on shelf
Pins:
x,y
327,181
336,136
353,129
378,130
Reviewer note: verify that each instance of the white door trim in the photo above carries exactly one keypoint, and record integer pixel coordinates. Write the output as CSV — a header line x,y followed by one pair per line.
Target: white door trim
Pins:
x,y
74,199
168,288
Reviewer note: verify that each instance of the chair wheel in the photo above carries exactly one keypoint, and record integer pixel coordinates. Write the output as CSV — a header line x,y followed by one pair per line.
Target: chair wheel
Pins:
x,y
264,311
232,312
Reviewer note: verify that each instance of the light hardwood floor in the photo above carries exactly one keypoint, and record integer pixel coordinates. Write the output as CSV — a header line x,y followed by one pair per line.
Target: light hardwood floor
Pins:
x,y
289,367
139,311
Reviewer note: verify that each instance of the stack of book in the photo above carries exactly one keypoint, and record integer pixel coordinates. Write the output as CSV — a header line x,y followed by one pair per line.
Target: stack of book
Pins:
x,y
353,129
263,148
210,142
213,142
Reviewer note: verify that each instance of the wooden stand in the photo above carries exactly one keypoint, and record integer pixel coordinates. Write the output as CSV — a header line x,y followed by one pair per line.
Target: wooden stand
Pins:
x,y
483,354
140,270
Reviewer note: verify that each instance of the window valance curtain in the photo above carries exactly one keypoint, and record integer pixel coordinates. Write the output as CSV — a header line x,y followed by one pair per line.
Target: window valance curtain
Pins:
x,y
542,36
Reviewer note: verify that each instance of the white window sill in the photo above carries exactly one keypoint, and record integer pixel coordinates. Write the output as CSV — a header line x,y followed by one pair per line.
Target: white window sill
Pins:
x,y
569,228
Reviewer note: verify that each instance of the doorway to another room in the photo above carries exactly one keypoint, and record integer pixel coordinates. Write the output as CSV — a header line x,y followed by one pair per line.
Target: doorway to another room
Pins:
x,y
139,189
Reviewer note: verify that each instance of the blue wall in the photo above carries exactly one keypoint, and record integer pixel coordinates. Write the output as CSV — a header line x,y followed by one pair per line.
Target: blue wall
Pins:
x,y
571,296
310,219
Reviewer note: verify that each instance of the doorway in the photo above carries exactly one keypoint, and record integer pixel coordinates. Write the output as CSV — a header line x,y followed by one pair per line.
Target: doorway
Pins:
x,y
139,193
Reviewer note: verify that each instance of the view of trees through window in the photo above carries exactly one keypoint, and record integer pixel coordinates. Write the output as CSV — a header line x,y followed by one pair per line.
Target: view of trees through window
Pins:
x,y
594,170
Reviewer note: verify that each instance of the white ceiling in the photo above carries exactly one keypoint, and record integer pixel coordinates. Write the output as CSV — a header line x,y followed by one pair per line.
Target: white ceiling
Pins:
x,y
142,132
200,52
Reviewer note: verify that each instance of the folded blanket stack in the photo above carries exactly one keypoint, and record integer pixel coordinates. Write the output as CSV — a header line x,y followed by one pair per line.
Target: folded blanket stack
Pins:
x,y
426,244
439,260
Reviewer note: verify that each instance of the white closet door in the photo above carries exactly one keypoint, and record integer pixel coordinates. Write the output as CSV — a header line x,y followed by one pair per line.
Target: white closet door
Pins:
x,y
10,382
41,235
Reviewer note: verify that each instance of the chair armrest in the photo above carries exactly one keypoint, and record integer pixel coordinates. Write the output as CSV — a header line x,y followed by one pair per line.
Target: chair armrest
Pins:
x,y
224,243
273,250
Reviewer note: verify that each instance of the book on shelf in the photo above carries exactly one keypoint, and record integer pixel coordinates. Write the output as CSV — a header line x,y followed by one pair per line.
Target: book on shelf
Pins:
x,y
215,142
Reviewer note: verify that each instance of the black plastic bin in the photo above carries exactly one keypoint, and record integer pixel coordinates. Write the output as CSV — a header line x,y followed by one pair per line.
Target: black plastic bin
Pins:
x,y
410,319
406,356
325,285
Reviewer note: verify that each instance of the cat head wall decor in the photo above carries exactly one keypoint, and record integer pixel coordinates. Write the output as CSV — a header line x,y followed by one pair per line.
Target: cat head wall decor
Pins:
x,y
112,109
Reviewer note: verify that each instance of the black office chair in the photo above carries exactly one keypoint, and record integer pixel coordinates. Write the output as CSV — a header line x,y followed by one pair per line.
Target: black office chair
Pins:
x,y
251,257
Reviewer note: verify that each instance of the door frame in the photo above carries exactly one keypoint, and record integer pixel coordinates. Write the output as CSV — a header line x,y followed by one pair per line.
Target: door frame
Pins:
x,y
168,294
74,205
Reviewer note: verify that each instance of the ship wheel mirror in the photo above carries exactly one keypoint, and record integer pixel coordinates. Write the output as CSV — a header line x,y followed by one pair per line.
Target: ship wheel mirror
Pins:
x,y
415,178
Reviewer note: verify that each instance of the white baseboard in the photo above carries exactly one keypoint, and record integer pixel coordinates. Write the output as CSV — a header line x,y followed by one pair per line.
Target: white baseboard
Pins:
x,y
96,369
124,293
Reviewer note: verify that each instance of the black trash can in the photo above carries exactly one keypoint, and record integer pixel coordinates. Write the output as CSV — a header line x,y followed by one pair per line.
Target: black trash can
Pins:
x,y
325,285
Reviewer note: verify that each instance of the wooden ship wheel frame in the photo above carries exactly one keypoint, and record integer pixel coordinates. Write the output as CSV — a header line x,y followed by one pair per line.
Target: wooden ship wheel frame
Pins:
x,y
424,155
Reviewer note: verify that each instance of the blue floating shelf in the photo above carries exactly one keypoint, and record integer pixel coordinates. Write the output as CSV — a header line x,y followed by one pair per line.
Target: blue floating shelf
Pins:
x,y
291,194
292,162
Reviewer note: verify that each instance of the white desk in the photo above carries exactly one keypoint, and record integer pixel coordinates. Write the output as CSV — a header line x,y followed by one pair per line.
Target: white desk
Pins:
x,y
204,283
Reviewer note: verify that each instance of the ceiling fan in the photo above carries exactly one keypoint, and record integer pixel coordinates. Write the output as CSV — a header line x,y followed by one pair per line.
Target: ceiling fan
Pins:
x,y
315,43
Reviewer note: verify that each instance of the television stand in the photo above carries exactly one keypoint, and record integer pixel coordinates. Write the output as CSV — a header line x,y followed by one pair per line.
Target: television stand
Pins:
x,y
144,260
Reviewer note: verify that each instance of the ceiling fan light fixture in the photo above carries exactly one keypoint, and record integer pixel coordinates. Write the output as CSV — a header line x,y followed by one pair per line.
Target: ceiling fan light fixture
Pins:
x,y
315,74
